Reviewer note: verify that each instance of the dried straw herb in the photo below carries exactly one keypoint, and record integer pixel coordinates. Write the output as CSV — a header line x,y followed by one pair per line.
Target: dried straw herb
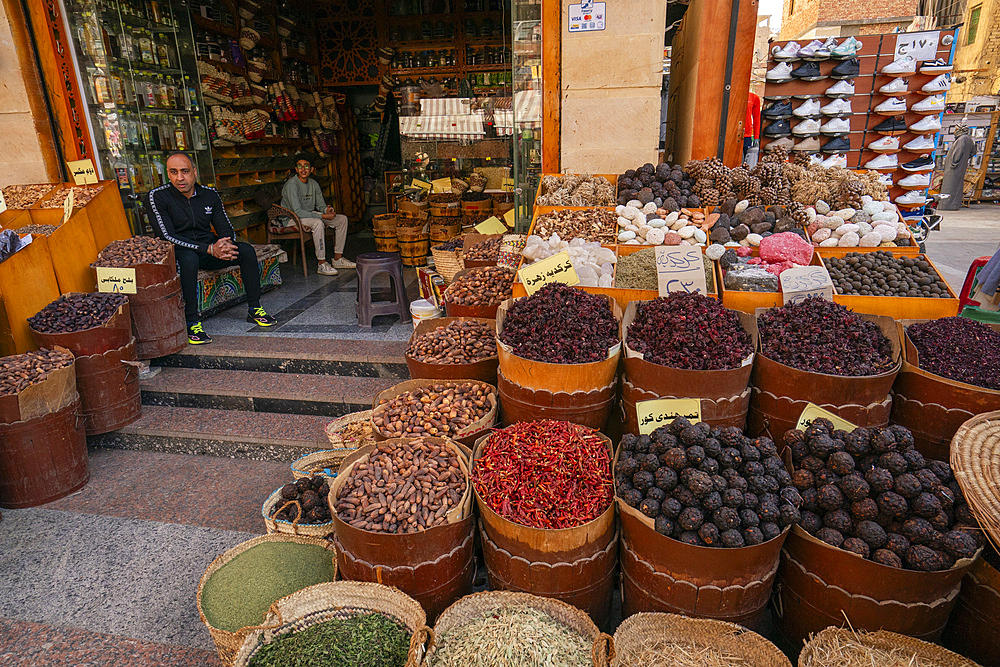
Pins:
x,y
670,653
512,637
368,640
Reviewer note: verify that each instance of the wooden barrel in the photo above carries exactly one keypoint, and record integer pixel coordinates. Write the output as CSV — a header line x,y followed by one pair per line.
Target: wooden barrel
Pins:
x,y
384,230
111,335
451,209
109,389
484,369
502,202
589,408
158,319
385,221
731,411
444,231
974,627
435,566
457,310
820,585
481,207
414,244
408,209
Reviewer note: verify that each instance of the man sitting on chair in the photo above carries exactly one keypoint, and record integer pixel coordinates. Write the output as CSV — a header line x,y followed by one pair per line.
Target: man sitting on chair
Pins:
x,y
303,196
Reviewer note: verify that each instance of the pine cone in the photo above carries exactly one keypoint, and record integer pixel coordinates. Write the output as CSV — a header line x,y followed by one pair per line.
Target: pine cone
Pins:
x,y
710,197
769,195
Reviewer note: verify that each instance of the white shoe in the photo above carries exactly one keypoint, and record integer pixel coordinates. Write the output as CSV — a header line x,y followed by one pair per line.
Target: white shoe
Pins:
x,y
789,52
784,142
343,263
939,84
922,144
939,66
325,269
928,124
838,107
885,179
815,159
809,145
815,50
891,107
882,162
915,181
808,109
839,160
911,198
929,105
842,88
836,126
885,145
806,128
781,73
904,66
894,87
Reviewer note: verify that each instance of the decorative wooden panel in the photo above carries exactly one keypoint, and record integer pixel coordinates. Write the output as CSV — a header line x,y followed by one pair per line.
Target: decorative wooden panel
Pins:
x,y
348,42
348,178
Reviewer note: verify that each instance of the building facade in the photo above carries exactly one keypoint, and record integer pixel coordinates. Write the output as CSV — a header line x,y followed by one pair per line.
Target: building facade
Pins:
x,y
978,53
807,19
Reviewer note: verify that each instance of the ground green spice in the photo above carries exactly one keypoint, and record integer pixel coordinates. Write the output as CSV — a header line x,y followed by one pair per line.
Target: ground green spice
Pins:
x,y
240,592
638,271
368,640
512,637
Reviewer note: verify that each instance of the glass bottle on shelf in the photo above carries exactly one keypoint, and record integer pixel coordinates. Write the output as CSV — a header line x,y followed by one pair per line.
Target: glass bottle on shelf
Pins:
x,y
199,135
181,136
101,87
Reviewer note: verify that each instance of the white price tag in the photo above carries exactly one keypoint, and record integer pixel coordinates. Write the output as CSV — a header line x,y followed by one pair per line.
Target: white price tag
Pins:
x,y
918,45
801,282
680,269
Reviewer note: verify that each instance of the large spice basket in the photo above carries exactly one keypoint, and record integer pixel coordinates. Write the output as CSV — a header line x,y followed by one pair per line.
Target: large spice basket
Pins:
x,y
466,436
829,645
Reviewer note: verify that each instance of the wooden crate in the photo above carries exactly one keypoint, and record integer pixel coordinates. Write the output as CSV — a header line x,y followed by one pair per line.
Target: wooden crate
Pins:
x,y
612,178
749,302
71,248
29,284
903,307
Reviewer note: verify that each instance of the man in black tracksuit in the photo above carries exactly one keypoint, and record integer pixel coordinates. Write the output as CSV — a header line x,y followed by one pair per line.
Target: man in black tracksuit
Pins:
x,y
192,217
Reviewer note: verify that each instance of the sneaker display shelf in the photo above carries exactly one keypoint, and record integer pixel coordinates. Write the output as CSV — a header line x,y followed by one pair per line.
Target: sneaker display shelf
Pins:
x,y
872,88
51,265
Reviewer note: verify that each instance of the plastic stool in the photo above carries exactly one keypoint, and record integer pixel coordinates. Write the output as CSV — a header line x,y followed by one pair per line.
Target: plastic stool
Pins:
x,y
369,265
965,296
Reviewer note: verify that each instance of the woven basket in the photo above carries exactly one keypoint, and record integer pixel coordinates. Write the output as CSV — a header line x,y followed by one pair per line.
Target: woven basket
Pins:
x,y
975,458
447,263
333,434
227,644
478,605
275,503
653,639
339,599
468,435
249,38
825,649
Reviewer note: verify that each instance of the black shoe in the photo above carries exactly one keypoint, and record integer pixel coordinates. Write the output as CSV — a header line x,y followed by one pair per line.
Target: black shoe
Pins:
x,y
808,71
891,126
779,128
197,335
925,163
260,317
778,111
840,144
845,70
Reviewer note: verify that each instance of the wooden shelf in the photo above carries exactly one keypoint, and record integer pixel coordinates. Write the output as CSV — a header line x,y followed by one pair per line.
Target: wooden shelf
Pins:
x,y
215,26
226,67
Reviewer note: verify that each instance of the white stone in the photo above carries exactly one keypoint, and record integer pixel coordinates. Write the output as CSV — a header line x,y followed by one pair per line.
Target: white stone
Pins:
x,y
700,236
679,224
632,242
605,280
715,251
846,213
829,243
732,244
754,239
588,277
886,232
649,208
626,236
866,199
672,217
655,236
871,241
846,228
822,207
634,203
849,240
811,212
822,234
741,205
687,231
871,208
656,222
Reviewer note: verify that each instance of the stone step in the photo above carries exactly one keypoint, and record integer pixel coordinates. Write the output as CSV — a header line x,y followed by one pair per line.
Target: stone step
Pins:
x,y
314,356
263,391
260,436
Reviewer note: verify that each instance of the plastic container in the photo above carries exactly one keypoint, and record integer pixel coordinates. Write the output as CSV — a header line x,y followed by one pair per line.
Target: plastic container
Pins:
x,y
422,310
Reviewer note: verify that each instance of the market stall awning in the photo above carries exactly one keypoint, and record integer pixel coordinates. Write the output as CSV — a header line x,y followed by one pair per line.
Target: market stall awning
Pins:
x,y
442,127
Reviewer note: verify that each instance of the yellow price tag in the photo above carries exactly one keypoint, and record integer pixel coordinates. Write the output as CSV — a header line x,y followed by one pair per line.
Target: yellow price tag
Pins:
x,y
536,71
441,185
813,411
555,269
68,206
508,184
662,411
491,225
121,281
510,217
83,171
417,183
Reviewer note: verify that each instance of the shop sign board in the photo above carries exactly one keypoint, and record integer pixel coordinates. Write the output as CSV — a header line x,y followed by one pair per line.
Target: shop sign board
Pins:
x,y
491,225
83,171
918,45
813,411
662,411
801,282
680,269
555,269
117,280
588,16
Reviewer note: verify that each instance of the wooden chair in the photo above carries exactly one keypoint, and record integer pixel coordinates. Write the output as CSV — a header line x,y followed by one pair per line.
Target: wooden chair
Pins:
x,y
289,233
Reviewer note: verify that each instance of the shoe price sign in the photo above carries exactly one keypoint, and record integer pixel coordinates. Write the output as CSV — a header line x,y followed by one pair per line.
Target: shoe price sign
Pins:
x,y
917,45
587,17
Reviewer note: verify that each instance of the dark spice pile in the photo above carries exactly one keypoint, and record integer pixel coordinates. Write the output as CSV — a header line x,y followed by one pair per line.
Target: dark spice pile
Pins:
x,y
77,312
487,250
688,331
304,501
959,349
820,336
454,244
871,493
366,640
20,371
880,273
471,195
43,230
560,325
458,342
707,487
136,250
545,474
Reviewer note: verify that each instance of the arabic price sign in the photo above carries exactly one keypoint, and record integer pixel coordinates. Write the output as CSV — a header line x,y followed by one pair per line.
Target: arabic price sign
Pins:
x,y
919,45
508,184
491,225
555,269
423,185
510,217
680,269
813,411
801,282
662,411
83,171
121,281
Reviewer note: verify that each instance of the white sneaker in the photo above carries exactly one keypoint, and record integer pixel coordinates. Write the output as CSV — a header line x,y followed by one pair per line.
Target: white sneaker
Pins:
x,y
847,50
836,126
882,162
939,66
894,87
915,181
911,198
891,107
810,145
885,145
789,52
939,84
928,124
343,263
929,105
904,66
839,160
325,269
922,144
806,128
784,142
842,88
885,179
808,109
815,50
781,73
838,107
816,159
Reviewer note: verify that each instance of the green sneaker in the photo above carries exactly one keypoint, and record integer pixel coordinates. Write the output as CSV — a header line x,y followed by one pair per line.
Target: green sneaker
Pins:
x,y
260,317
197,335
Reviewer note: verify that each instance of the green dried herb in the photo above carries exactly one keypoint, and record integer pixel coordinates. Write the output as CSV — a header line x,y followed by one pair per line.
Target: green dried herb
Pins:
x,y
367,640
638,271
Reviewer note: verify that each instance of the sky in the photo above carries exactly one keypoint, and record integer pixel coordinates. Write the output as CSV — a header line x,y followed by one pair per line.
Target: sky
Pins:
x,y
772,7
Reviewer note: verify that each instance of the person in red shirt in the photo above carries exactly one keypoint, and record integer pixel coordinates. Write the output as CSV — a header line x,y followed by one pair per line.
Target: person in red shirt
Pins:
x,y
751,126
